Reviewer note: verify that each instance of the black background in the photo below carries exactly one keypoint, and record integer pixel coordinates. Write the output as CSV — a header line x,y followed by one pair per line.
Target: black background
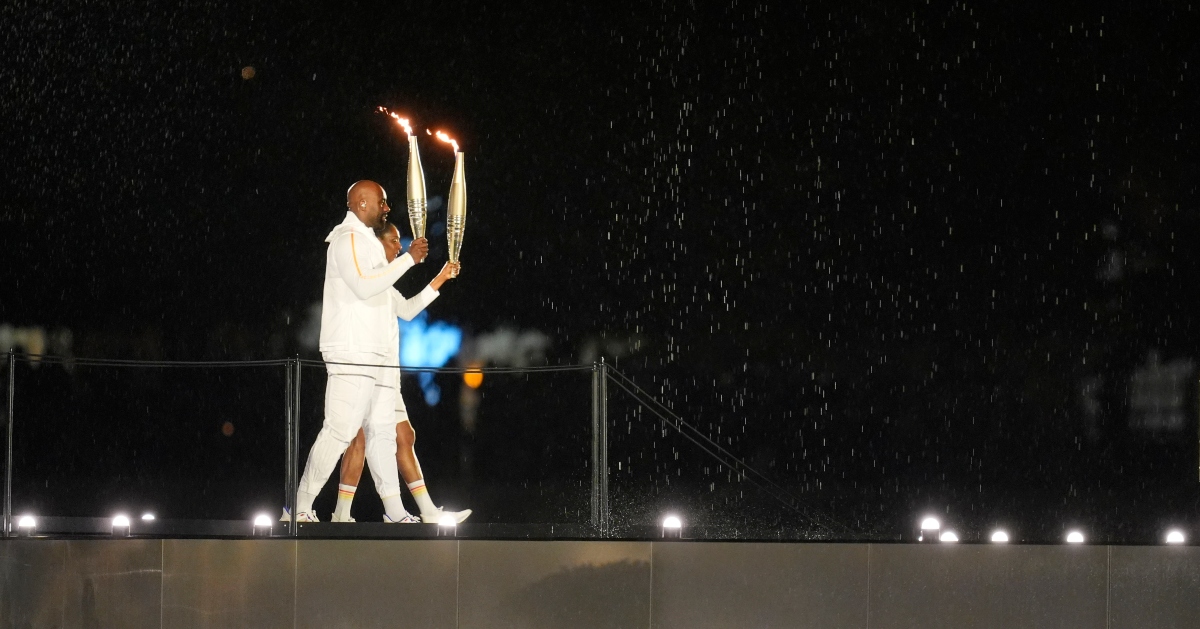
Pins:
x,y
868,247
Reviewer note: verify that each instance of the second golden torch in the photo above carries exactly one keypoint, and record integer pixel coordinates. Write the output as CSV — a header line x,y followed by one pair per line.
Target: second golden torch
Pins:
x,y
456,205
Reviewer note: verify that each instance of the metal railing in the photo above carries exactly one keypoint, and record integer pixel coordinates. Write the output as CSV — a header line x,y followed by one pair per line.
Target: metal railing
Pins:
x,y
292,371
600,471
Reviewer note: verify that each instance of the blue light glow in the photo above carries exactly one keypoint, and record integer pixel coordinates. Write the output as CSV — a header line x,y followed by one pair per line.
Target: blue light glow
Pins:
x,y
425,344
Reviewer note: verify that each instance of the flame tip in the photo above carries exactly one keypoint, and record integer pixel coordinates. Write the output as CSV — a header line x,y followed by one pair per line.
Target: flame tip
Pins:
x,y
441,135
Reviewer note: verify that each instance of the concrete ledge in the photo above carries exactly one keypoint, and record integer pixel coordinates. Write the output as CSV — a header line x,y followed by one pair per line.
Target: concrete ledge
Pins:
x,y
580,584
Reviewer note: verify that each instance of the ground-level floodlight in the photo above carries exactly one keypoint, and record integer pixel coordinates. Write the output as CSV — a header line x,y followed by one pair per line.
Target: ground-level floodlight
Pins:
x,y
447,525
147,517
929,529
26,525
120,526
999,537
1175,536
672,527
948,537
1074,537
262,524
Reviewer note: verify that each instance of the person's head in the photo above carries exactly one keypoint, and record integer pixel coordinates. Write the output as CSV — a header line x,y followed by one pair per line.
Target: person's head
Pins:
x,y
368,201
390,237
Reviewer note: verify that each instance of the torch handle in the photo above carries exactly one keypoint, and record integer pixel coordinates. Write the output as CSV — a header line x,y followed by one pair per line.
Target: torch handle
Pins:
x,y
455,226
417,212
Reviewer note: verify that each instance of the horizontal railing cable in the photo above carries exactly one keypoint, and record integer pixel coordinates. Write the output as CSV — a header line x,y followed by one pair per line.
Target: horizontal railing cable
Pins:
x,y
770,487
48,359
307,362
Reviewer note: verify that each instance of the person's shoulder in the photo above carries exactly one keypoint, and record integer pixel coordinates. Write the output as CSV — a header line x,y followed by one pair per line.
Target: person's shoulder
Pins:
x,y
338,233
349,227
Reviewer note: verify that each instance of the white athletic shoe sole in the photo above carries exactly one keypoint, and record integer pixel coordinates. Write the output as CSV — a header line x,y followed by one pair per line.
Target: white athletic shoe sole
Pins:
x,y
434,518
303,516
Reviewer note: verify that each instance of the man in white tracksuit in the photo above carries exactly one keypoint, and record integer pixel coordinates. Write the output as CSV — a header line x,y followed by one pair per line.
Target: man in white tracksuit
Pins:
x,y
356,322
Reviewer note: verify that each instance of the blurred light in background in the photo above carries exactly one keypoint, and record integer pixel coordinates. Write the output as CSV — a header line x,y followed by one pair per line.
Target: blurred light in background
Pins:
x,y
473,378
424,344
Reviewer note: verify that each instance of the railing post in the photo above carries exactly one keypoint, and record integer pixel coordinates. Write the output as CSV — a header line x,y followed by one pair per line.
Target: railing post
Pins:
x,y
289,483
8,444
604,504
599,502
294,445
595,497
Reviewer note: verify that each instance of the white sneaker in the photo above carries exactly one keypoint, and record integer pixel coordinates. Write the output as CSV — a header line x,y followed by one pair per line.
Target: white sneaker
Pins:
x,y
407,519
303,516
335,518
435,517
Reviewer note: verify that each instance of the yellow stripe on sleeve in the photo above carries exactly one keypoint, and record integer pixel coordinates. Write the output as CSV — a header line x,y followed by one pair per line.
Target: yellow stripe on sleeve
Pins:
x,y
354,254
358,269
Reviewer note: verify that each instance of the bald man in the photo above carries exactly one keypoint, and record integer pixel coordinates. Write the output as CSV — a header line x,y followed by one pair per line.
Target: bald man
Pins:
x,y
356,321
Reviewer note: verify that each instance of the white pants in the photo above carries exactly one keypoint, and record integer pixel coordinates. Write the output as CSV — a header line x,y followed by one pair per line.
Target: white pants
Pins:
x,y
358,396
401,409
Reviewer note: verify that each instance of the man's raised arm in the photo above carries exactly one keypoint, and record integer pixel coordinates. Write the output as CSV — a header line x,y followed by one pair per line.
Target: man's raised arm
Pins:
x,y
364,282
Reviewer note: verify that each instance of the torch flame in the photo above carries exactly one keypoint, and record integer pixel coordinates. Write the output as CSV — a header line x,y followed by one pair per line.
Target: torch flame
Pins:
x,y
403,122
449,140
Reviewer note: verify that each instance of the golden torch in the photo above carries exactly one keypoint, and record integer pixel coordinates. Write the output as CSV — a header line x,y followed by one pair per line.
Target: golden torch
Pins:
x,y
456,205
418,206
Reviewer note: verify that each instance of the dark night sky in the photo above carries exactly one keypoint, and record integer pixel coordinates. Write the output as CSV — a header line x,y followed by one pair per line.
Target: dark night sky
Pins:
x,y
885,246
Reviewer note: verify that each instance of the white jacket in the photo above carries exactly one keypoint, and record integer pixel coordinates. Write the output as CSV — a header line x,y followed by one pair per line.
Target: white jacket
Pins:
x,y
357,311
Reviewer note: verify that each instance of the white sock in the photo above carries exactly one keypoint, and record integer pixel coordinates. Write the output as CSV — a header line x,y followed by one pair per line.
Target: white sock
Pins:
x,y
421,494
394,507
345,498
304,501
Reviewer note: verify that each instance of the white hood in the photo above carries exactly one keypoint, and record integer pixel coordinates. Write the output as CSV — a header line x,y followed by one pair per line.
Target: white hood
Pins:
x,y
343,228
